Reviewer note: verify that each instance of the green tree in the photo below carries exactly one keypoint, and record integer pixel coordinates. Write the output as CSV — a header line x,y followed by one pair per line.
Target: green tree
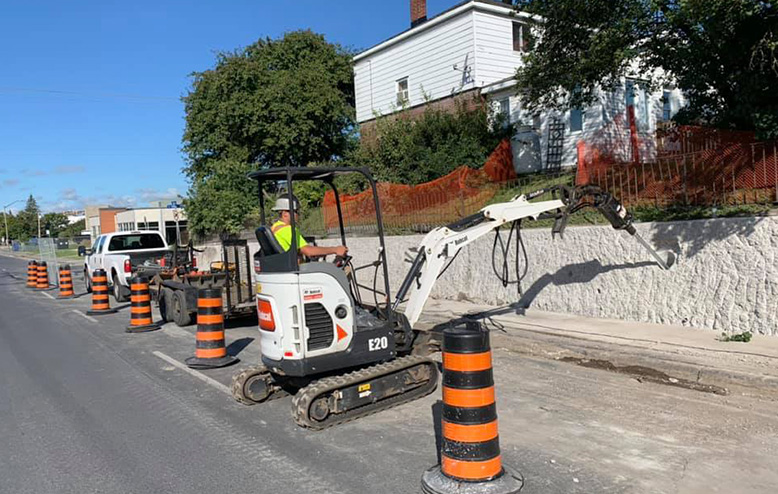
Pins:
x,y
53,223
14,227
722,53
277,102
74,229
27,219
418,149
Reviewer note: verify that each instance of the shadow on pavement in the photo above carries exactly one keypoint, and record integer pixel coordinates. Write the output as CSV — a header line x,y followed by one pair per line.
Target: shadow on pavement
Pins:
x,y
437,413
238,346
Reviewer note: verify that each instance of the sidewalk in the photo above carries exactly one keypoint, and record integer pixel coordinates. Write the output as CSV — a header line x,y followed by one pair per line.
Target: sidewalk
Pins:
x,y
32,255
673,355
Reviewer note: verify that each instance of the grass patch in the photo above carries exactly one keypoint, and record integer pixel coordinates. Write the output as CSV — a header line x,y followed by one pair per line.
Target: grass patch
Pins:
x,y
744,337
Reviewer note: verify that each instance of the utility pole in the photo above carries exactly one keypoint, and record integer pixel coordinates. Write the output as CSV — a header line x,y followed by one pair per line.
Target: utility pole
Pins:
x,y
39,226
5,220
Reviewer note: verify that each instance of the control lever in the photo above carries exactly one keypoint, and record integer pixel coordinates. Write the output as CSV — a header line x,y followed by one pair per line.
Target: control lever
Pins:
x,y
341,261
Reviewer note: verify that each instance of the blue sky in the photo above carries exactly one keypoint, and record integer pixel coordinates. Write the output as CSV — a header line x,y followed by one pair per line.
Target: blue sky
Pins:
x,y
90,108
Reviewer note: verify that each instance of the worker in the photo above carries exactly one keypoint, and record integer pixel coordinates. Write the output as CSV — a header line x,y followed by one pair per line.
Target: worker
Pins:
x,y
282,230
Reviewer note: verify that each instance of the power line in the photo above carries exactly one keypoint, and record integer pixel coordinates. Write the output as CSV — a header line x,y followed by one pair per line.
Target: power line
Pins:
x,y
61,92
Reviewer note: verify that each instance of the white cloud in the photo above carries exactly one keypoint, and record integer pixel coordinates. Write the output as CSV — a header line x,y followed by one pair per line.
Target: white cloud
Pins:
x,y
69,198
59,170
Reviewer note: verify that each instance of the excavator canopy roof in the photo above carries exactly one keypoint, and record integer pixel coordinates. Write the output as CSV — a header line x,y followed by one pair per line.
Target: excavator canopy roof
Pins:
x,y
325,174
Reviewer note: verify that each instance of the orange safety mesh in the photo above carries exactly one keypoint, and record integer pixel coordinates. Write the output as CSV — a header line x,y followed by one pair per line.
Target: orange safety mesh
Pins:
x,y
443,200
681,165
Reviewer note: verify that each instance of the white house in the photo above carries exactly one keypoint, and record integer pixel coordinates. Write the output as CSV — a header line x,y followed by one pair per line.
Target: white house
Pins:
x,y
474,48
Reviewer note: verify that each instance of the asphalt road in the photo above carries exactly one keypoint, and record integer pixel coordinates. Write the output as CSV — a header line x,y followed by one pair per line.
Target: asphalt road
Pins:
x,y
85,407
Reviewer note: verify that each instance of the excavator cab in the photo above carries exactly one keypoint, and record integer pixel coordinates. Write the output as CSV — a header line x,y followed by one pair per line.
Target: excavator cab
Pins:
x,y
311,315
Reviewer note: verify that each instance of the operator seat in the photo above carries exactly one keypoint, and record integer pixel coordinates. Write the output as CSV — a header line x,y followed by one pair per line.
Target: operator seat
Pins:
x,y
268,245
272,258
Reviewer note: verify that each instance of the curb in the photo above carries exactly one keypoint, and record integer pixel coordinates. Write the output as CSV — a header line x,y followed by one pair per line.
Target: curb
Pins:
x,y
693,368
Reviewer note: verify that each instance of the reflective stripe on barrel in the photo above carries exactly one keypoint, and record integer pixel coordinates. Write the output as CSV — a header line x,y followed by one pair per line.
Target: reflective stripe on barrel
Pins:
x,y
43,276
100,290
65,282
210,324
32,274
470,449
140,302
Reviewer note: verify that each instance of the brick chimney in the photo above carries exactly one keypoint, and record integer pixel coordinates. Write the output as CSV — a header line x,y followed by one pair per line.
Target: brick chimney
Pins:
x,y
418,12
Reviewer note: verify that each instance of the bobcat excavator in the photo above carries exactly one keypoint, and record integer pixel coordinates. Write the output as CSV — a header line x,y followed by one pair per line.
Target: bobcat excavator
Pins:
x,y
343,358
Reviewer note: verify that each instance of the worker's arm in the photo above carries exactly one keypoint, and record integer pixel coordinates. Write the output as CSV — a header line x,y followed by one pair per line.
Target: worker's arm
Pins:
x,y
314,251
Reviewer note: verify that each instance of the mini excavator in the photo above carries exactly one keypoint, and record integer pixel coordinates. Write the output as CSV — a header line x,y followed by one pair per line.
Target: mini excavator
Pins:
x,y
343,358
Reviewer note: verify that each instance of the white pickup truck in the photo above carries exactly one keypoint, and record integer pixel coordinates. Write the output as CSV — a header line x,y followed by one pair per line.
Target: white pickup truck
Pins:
x,y
118,254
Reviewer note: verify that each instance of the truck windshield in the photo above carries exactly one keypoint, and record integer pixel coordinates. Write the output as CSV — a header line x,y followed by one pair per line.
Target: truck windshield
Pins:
x,y
136,242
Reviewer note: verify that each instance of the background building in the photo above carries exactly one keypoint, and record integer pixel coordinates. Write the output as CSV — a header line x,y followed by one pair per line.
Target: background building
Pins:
x,y
472,51
170,221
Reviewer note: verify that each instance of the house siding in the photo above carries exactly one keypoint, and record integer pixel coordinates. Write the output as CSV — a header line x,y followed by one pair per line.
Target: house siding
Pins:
x,y
494,48
427,60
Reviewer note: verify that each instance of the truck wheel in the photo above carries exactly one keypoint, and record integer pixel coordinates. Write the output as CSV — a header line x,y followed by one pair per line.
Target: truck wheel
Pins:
x,y
118,292
87,281
180,312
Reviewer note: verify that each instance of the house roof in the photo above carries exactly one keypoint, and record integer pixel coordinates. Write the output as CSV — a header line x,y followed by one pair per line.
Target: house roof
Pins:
x,y
489,5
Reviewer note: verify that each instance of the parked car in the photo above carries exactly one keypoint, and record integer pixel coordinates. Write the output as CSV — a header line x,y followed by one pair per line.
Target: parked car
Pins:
x,y
119,254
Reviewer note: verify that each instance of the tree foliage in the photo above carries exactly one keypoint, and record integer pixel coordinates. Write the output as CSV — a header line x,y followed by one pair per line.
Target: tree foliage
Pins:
x,y
412,150
277,102
26,221
53,223
722,53
74,229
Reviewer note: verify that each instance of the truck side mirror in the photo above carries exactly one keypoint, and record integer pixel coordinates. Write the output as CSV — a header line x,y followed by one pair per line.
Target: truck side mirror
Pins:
x,y
81,251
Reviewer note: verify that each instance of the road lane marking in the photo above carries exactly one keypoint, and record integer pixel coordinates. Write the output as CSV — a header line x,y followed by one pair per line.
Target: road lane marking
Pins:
x,y
213,382
48,295
84,315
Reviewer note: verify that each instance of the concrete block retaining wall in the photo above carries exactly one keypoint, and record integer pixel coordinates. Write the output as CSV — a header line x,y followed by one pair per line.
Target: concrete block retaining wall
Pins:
x,y
725,278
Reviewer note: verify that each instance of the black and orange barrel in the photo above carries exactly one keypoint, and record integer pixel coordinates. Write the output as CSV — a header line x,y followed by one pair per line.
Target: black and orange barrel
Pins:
x,y
42,281
65,282
141,320
100,302
32,274
470,448
210,349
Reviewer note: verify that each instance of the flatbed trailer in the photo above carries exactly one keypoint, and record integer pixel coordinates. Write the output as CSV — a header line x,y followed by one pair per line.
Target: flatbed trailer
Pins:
x,y
175,287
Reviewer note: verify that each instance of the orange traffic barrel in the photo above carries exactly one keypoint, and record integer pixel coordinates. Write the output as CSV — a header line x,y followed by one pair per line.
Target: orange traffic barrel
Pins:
x,y
32,274
42,281
141,320
210,351
65,282
100,303
470,458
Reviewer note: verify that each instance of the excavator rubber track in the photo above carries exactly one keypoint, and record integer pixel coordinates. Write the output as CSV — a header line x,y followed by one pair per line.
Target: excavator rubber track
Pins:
x,y
242,395
325,403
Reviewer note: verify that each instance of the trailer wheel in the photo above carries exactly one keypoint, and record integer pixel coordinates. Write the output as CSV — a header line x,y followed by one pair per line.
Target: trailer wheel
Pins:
x,y
179,310
164,304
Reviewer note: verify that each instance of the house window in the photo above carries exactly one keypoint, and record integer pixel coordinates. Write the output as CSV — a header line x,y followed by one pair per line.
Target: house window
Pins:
x,y
667,106
505,107
636,96
576,120
523,40
402,92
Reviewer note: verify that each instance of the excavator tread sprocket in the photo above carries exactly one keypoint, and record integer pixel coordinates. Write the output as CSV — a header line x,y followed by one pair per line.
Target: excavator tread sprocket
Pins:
x,y
239,380
305,397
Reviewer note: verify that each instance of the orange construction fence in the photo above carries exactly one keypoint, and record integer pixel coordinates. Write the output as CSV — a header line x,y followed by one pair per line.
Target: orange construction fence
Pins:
x,y
442,200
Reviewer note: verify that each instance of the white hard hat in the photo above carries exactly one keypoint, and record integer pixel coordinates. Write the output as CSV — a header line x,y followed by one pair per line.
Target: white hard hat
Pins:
x,y
282,204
